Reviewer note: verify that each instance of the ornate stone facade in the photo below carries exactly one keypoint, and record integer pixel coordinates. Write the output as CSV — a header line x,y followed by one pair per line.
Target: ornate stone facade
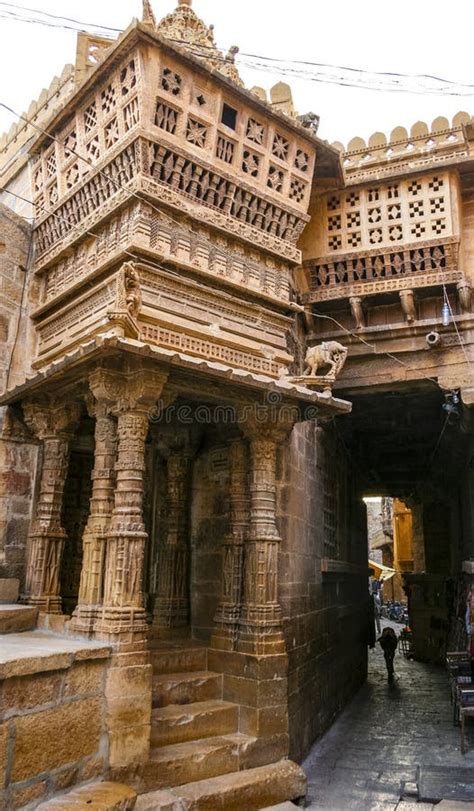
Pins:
x,y
201,265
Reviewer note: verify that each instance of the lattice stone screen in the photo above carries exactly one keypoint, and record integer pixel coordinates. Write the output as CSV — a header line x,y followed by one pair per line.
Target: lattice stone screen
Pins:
x,y
389,215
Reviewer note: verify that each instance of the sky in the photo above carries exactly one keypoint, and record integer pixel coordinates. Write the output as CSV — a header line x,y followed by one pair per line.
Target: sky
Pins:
x,y
409,36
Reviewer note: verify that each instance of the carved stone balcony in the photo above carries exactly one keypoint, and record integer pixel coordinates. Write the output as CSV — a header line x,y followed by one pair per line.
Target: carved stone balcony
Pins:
x,y
411,266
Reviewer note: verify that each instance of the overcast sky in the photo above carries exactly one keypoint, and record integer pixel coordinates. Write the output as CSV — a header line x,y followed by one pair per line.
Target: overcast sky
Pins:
x,y
409,36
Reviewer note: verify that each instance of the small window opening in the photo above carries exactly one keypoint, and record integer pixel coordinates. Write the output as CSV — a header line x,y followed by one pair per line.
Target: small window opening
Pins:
x,y
229,117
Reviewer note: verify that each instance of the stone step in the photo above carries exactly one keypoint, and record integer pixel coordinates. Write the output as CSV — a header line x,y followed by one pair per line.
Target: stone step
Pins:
x,y
178,659
186,688
159,801
187,762
248,790
94,797
203,719
15,619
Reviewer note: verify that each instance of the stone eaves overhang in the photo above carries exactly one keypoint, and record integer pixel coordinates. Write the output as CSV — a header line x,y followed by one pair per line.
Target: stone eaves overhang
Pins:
x,y
206,379
138,33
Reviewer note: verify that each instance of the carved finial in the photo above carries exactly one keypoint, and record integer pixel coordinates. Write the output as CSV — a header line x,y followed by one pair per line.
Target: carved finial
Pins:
x,y
231,53
148,15
185,2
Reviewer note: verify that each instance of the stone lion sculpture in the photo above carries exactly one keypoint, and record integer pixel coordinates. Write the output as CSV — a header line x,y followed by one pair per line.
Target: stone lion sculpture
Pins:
x,y
329,353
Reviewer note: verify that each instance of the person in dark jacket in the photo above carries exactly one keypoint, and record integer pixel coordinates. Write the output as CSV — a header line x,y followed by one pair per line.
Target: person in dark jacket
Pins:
x,y
388,643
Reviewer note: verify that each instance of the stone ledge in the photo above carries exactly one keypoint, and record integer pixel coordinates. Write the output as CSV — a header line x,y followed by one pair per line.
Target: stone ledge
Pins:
x,y
30,652
95,797
17,618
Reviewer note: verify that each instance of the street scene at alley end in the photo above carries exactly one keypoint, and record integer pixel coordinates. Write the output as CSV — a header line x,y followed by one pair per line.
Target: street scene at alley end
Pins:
x,y
236,406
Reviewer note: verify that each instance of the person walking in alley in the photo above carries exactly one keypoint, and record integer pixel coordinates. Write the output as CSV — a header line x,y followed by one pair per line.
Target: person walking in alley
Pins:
x,y
377,610
388,643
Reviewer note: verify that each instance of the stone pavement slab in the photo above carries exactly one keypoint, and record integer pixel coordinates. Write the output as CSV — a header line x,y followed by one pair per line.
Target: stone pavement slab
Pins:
x,y
393,745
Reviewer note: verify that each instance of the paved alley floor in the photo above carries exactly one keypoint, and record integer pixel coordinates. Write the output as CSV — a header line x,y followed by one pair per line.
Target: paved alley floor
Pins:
x,y
392,741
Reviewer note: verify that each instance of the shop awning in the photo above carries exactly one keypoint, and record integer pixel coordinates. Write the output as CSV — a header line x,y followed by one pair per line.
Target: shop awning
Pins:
x,y
381,572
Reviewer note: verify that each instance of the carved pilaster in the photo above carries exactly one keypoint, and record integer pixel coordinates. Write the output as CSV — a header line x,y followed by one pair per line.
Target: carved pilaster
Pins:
x,y
131,395
94,542
227,616
261,617
54,423
172,601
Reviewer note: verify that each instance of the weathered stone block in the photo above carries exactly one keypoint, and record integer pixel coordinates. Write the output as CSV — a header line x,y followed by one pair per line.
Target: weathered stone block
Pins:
x,y
96,797
48,740
85,677
19,694
4,734
128,745
21,797
264,722
128,712
9,588
128,681
15,619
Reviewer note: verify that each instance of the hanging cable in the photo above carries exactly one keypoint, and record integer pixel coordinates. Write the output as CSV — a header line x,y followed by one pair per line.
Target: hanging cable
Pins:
x,y
361,78
453,318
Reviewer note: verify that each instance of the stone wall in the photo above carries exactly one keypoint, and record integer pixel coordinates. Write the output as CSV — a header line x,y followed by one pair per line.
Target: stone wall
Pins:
x,y
18,453
52,724
325,614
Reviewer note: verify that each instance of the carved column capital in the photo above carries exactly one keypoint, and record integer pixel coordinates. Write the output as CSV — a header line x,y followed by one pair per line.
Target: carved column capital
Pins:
x,y
127,390
274,428
48,417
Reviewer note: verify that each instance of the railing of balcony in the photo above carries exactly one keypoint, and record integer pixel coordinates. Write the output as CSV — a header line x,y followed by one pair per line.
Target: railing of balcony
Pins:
x,y
374,271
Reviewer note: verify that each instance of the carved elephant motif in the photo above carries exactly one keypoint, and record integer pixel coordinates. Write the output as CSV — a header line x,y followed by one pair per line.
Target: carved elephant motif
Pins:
x,y
329,353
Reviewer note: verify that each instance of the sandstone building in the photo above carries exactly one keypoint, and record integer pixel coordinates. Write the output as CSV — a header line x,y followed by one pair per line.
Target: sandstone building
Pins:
x,y
181,491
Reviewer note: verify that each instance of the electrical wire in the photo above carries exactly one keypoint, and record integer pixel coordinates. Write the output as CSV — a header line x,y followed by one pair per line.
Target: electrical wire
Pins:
x,y
373,347
379,81
20,312
453,318
206,241
201,240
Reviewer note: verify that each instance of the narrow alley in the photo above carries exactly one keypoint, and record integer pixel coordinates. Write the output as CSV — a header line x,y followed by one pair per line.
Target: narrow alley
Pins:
x,y
394,747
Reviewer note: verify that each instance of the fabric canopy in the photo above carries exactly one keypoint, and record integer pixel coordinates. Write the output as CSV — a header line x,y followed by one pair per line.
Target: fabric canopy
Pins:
x,y
381,572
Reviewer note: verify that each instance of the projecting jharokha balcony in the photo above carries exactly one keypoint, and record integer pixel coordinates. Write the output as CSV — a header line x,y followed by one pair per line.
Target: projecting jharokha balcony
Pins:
x,y
412,266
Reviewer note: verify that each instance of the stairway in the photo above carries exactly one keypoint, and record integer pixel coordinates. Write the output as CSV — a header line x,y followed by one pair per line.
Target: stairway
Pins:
x,y
198,756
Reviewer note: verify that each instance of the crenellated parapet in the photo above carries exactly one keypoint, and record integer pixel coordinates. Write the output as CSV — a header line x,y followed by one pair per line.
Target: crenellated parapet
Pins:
x,y
405,152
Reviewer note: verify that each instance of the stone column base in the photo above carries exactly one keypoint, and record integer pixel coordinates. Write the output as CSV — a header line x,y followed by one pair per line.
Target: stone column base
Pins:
x,y
84,620
259,685
44,604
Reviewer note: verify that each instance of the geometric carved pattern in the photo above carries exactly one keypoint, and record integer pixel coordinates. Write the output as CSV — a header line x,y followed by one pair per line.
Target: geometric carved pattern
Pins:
x,y
166,117
171,82
255,131
393,213
225,149
181,342
281,147
92,195
196,133
187,176
410,261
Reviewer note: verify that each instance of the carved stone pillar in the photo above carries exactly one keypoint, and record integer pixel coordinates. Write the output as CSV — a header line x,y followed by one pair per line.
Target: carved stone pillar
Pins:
x,y
227,616
131,395
261,617
94,542
172,603
54,423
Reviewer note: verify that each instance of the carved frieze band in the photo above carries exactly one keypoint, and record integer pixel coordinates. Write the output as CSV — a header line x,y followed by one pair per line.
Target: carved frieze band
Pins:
x,y
182,184
372,271
138,225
